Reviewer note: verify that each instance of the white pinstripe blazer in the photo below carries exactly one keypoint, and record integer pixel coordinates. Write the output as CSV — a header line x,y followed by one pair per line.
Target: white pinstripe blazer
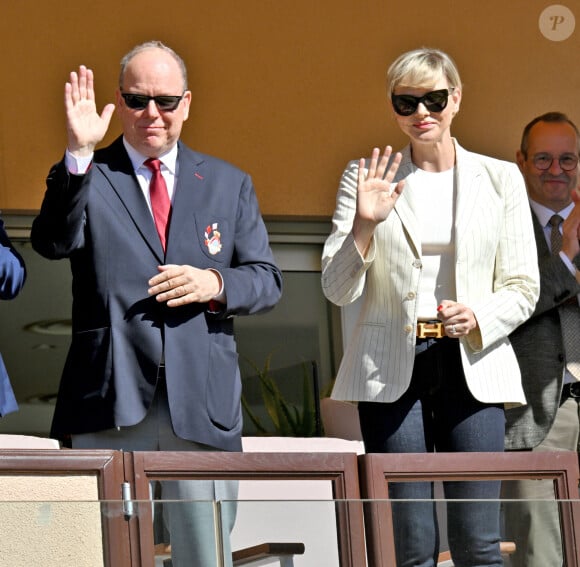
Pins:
x,y
496,275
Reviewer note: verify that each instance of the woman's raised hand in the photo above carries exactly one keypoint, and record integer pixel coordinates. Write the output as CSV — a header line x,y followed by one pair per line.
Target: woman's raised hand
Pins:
x,y
376,197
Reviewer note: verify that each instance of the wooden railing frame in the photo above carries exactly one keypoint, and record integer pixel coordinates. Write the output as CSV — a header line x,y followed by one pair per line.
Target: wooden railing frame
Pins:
x,y
378,470
107,468
340,469
129,541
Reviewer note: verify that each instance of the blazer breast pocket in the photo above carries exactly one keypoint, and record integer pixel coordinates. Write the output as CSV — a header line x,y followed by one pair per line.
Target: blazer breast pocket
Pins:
x,y
215,236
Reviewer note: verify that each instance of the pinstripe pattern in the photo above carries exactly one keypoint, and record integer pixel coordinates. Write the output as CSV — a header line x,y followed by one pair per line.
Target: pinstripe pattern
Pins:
x,y
496,276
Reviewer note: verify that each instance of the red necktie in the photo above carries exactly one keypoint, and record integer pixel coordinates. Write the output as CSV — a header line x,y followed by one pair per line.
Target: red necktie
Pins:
x,y
159,196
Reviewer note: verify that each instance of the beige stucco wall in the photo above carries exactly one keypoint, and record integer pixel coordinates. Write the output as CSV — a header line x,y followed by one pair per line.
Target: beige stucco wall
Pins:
x,y
50,521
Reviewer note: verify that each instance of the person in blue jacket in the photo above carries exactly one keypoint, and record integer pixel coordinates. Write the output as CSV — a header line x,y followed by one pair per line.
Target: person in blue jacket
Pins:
x,y
12,276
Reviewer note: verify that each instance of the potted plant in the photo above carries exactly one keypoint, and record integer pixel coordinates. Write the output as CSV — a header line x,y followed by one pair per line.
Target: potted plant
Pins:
x,y
283,417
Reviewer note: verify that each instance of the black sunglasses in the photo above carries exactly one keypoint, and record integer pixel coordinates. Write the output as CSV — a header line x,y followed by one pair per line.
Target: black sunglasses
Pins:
x,y
140,101
434,101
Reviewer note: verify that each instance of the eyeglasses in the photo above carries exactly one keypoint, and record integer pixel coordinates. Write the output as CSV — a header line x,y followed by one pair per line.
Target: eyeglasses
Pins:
x,y
434,101
140,101
543,162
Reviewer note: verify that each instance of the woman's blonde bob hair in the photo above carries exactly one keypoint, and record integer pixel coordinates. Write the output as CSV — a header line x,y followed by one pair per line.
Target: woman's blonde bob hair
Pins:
x,y
422,68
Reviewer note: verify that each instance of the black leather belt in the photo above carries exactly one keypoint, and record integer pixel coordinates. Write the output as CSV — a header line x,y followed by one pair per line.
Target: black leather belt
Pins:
x,y
570,390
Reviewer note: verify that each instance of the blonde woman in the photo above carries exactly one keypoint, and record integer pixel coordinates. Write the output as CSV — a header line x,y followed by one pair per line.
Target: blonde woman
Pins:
x,y
438,242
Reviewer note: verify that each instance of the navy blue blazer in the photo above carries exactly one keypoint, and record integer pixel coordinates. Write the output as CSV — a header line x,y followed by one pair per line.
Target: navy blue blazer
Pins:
x,y
101,222
12,277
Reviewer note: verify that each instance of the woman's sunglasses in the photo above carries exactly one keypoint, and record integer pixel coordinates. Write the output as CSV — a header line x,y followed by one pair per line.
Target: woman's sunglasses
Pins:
x,y
140,101
434,101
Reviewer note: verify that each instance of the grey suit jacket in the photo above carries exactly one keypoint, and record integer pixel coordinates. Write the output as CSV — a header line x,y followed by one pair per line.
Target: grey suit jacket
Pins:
x,y
539,348
101,222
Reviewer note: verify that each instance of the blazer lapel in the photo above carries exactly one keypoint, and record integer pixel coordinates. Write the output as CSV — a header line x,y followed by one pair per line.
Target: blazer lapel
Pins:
x,y
404,206
118,170
541,243
468,176
189,193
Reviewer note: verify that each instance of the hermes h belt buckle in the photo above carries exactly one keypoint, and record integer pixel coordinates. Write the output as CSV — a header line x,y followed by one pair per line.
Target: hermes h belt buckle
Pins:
x,y
430,330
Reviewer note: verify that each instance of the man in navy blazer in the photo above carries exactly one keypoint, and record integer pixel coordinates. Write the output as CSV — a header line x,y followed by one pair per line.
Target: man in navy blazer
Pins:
x,y
12,277
153,363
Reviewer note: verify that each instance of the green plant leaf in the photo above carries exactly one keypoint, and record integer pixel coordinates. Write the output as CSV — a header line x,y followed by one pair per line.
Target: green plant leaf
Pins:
x,y
253,417
287,419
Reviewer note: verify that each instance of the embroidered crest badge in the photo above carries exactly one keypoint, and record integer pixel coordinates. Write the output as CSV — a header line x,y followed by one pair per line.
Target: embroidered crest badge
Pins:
x,y
213,238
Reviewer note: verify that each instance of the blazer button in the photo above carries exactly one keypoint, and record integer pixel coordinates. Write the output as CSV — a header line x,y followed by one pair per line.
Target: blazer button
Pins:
x,y
408,328
417,264
561,358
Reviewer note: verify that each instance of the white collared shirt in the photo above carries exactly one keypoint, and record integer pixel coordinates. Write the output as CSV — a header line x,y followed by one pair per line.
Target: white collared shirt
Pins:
x,y
80,165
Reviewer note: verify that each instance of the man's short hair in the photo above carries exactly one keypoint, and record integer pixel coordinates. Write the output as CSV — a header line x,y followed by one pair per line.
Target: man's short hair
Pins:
x,y
552,117
154,44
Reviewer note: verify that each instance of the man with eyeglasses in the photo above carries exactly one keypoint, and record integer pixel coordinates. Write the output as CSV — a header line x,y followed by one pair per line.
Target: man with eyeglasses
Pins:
x,y
166,245
548,344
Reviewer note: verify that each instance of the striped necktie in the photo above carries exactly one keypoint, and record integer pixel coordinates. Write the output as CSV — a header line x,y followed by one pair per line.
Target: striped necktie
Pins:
x,y
569,312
